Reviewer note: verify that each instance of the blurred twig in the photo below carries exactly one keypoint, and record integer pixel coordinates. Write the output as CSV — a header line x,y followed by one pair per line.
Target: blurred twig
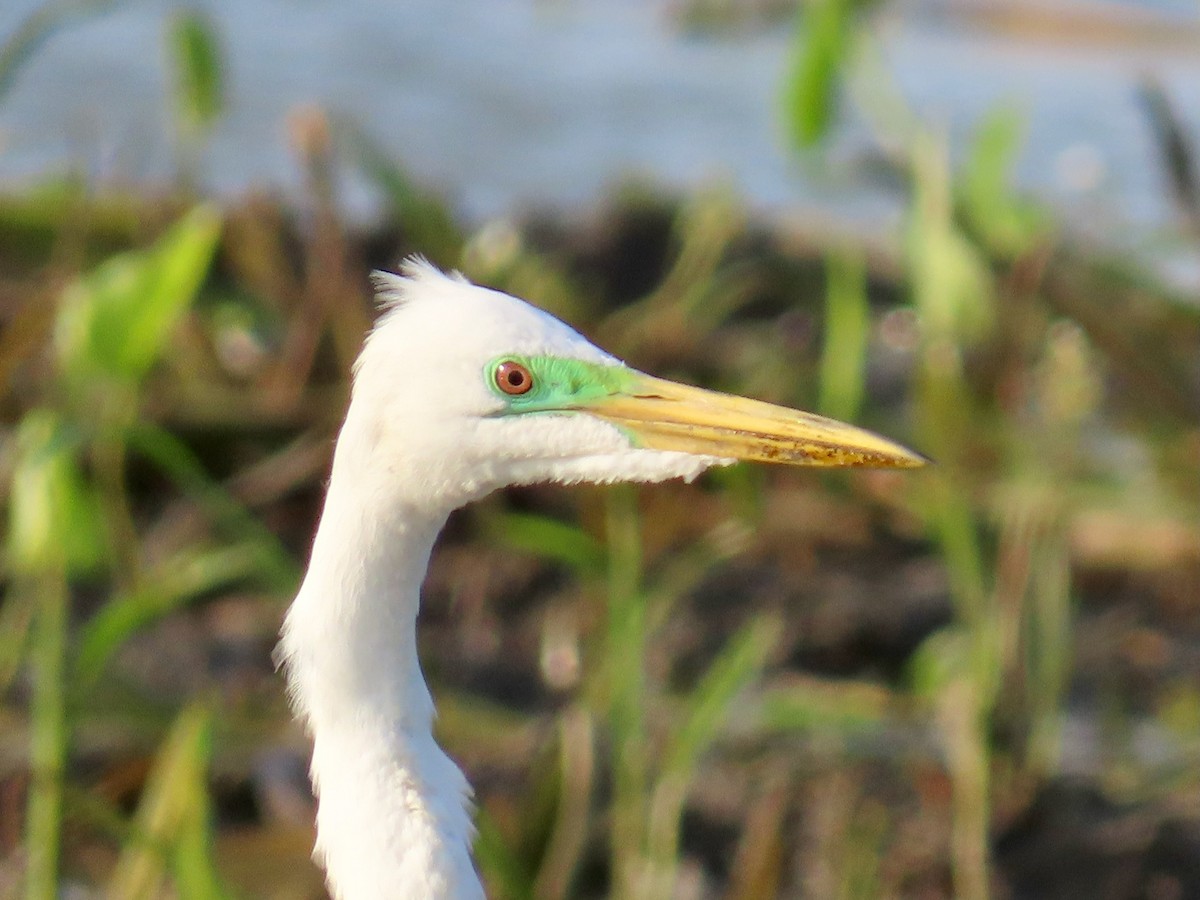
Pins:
x,y
1175,148
37,28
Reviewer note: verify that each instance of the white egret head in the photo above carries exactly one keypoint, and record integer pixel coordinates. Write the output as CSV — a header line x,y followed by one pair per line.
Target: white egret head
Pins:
x,y
471,389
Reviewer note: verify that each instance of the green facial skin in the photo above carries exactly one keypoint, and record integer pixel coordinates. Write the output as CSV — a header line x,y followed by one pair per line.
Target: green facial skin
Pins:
x,y
560,385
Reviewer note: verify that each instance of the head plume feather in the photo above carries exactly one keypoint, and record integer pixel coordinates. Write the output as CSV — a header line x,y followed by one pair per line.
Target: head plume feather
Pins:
x,y
394,290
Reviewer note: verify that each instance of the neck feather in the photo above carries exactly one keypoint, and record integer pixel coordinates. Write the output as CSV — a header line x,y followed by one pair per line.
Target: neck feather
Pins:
x,y
393,810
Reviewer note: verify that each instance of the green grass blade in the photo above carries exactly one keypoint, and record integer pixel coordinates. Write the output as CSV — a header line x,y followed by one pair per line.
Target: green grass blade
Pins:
x,y
499,867
1007,223
49,532
176,583
952,285
549,539
53,513
173,457
174,805
568,835
196,56
847,332
807,704
705,711
48,733
810,91
16,619
739,664
624,665
193,868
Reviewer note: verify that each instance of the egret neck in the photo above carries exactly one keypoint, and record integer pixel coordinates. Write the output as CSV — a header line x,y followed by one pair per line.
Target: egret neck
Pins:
x,y
393,817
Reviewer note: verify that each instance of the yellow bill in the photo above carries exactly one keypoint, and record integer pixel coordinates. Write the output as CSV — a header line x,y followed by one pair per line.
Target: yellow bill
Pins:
x,y
664,415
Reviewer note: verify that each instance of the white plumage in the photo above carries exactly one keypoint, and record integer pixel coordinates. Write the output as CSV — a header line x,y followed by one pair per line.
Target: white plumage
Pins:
x,y
427,431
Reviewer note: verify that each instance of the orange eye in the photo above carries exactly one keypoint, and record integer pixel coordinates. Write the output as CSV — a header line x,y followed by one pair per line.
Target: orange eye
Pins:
x,y
513,378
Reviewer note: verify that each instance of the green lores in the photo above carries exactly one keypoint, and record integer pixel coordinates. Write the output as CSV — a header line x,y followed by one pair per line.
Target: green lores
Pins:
x,y
556,384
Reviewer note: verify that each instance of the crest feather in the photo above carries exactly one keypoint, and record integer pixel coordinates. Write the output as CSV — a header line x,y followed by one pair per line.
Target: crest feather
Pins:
x,y
393,290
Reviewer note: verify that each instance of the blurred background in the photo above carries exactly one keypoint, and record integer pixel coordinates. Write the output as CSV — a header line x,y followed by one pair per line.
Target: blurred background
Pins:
x,y
972,225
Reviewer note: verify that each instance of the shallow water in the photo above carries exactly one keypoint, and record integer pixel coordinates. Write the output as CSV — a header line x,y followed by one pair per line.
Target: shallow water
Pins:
x,y
510,104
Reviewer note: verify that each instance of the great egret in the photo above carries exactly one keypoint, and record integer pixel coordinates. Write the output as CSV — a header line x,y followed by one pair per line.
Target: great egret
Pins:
x,y
458,391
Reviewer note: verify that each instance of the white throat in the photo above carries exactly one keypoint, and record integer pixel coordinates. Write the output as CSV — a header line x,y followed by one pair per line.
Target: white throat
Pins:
x,y
393,810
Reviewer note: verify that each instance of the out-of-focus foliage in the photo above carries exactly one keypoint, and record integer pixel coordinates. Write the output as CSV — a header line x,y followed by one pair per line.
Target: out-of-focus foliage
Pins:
x,y
824,40
117,320
112,325
198,90
1008,224
171,830
847,333
199,82
951,284
53,512
998,504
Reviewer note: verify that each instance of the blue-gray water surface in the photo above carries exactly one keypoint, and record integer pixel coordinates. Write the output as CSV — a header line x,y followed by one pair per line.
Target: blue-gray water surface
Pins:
x,y
506,105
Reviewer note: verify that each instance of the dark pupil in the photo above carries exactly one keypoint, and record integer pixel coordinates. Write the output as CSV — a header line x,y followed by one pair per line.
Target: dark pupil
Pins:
x,y
515,378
